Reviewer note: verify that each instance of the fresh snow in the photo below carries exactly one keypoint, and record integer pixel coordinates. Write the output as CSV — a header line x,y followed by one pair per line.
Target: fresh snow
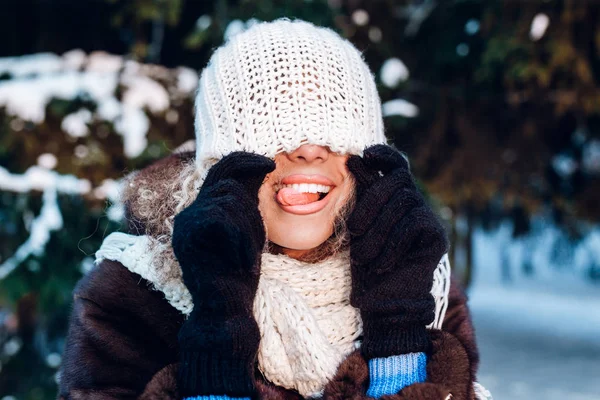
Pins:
x,y
187,80
75,124
104,63
393,71
27,98
51,183
539,25
50,218
41,63
47,161
41,179
144,92
74,60
111,190
399,107
43,77
233,28
538,335
556,262
37,79
537,344
133,125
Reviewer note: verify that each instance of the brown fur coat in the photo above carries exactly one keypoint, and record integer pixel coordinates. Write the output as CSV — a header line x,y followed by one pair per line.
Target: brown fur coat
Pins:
x,y
122,341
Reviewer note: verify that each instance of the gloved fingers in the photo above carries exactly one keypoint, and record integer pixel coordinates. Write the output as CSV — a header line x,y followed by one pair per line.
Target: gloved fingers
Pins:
x,y
247,168
379,158
384,158
368,246
234,196
419,238
227,202
191,223
375,198
363,175
222,227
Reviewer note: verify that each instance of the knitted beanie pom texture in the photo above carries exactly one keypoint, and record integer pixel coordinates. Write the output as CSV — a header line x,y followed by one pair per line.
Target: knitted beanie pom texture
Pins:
x,y
283,84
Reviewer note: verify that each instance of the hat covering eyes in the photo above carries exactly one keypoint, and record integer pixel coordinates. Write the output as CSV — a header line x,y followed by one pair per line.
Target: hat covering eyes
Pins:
x,y
283,84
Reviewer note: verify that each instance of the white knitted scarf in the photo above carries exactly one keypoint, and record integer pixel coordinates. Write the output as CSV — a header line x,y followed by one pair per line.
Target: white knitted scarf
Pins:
x,y
303,310
307,323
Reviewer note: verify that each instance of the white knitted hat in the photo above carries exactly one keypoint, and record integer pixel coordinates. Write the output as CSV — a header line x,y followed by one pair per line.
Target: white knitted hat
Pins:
x,y
283,84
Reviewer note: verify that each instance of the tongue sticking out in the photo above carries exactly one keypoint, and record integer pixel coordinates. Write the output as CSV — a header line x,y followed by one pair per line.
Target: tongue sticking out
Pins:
x,y
290,197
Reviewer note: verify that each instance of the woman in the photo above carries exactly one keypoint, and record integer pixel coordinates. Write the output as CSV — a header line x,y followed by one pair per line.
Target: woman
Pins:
x,y
290,256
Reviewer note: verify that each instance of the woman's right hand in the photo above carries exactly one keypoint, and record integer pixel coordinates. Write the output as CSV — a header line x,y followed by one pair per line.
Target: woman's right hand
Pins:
x,y
218,241
396,244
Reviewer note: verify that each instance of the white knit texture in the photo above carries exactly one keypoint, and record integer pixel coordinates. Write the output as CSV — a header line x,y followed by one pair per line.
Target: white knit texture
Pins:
x,y
441,291
303,310
306,321
134,253
283,84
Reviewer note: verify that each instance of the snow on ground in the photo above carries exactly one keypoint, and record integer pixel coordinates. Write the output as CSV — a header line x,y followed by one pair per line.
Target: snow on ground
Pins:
x,y
537,345
539,336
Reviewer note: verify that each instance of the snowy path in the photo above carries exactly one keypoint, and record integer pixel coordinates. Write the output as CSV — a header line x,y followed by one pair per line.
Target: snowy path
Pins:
x,y
536,345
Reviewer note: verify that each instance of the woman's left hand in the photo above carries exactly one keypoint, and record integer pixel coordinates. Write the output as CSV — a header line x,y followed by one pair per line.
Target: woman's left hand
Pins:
x,y
449,375
396,243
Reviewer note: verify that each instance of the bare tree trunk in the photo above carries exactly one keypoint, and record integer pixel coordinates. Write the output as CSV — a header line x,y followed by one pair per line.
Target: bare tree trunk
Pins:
x,y
461,249
468,276
156,41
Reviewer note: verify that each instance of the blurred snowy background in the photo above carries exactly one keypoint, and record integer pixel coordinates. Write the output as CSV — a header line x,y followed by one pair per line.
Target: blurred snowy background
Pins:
x,y
496,102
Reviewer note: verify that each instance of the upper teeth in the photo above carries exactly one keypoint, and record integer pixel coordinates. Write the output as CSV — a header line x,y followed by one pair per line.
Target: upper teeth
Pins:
x,y
309,188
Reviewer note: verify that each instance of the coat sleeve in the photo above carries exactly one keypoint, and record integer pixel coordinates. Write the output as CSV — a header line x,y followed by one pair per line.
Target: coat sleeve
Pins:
x,y
458,322
122,338
451,366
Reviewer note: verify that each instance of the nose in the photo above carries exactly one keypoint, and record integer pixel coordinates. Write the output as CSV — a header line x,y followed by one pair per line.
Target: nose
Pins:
x,y
309,153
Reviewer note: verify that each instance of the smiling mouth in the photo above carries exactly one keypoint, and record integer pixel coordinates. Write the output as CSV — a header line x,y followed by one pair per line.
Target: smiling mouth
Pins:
x,y
303,194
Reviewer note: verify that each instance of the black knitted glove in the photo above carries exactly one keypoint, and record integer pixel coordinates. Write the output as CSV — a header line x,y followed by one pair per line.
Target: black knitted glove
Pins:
x,y
218,241
396,243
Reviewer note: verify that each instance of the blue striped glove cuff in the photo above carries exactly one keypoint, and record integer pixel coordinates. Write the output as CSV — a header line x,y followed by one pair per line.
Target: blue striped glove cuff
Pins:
x,y
389,375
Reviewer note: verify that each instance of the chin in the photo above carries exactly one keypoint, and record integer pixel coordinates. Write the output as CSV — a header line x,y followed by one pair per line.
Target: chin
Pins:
x,y
299,238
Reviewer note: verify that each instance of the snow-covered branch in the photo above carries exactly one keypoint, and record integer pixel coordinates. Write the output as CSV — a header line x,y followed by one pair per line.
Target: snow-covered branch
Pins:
x,y
41,179
50,218
39,78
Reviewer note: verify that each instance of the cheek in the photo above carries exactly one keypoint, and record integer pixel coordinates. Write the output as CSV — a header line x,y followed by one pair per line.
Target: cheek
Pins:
x,y
347,196
266,202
